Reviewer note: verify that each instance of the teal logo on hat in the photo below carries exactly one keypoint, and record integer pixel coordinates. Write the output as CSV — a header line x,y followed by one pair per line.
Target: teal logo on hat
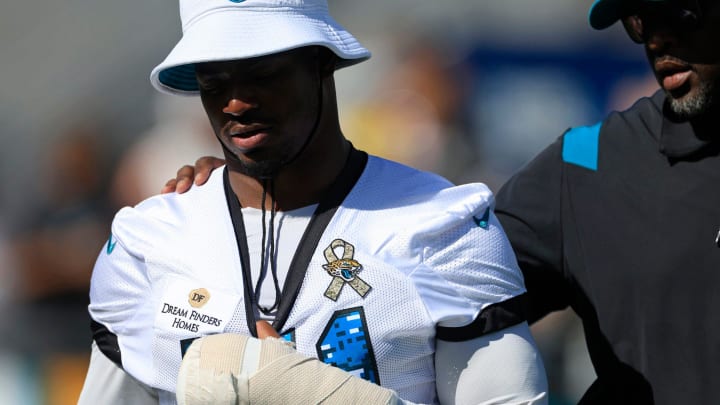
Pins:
x,y
236,1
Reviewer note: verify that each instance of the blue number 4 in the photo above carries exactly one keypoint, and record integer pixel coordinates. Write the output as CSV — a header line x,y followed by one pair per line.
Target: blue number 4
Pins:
x,y
345,343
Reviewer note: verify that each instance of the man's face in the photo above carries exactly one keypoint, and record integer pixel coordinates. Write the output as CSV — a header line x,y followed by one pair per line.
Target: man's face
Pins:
x,y
684,57
262,109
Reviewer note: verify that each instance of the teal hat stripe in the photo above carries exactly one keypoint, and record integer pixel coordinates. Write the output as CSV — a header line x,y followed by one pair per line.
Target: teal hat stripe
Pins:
x,y
179,77
604,13
595,3
580,146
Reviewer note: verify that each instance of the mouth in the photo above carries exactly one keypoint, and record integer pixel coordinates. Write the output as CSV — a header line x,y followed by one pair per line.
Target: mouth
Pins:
x,y
672,74
236,129
247,136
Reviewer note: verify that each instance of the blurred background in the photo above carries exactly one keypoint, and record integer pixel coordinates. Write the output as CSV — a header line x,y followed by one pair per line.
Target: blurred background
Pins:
x,y
471,89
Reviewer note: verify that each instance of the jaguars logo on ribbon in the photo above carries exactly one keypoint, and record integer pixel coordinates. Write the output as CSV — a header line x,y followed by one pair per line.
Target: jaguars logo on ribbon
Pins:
x,y
343,271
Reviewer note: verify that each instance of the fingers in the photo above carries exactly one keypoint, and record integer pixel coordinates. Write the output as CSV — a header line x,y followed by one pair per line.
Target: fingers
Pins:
x,y
204,166
169,187
187,175
264,330
182,182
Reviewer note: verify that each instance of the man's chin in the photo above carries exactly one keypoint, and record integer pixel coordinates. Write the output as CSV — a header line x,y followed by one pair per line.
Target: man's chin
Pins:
x,y
691,104
259,169
265,169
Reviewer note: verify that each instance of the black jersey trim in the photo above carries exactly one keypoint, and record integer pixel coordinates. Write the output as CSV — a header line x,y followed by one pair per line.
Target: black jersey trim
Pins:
x,y
491,319
107,342
321,218
324,212
241,240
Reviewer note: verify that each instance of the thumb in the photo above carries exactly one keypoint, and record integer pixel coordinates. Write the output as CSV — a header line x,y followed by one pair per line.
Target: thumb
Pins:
x,y
264,330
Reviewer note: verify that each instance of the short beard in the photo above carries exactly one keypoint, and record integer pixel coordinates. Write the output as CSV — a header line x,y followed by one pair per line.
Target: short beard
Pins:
x,y
694,105
266,169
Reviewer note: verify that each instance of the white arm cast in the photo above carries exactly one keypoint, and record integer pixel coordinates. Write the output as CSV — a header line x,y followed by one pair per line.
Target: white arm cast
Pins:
x,y
504,367
106,383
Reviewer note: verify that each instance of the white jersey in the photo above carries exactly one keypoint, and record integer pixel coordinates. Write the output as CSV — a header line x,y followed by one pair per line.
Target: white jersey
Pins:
x,y
405,255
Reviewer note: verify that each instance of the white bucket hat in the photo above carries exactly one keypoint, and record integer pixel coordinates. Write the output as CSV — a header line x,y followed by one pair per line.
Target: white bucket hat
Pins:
x,y
219,30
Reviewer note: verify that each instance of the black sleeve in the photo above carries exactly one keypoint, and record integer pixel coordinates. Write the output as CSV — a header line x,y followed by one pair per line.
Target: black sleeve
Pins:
x,y
107,342
494,318
529,207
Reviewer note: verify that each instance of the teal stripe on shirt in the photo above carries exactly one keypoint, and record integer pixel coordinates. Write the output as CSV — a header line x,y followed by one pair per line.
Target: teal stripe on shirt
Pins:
x,y
580,146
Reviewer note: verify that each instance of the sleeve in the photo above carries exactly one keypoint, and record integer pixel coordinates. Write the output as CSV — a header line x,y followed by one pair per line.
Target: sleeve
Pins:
x,y
529,206
106,383
119,293
468,277
501,367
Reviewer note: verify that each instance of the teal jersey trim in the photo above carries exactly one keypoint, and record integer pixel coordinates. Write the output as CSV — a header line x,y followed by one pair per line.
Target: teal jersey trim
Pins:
x,y
580,146
111,244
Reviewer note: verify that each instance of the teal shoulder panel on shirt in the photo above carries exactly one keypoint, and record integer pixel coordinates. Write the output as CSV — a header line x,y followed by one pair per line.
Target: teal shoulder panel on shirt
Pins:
x,y
580,146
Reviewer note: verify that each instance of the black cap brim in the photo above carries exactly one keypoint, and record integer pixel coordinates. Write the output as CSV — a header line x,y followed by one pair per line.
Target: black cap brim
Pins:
x,y
604,13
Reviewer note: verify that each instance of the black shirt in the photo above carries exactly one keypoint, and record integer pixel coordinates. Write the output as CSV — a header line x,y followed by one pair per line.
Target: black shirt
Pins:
x,y
619,221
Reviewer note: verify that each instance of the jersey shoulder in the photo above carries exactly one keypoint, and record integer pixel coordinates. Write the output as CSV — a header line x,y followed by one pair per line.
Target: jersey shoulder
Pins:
x,y
446,238
171,217
413,195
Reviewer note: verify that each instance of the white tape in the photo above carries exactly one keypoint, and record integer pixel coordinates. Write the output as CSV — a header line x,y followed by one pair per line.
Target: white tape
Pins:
x,y
230,369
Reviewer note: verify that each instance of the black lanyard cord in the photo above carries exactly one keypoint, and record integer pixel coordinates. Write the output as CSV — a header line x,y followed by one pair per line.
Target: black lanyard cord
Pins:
x,y
268,260
324,212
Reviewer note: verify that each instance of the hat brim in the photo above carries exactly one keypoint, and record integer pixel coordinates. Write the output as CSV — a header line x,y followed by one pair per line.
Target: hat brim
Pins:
x,y
231,34
604,13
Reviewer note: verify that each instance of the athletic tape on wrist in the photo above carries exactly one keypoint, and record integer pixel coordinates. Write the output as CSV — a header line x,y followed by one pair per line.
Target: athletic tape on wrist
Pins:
x,y
235,369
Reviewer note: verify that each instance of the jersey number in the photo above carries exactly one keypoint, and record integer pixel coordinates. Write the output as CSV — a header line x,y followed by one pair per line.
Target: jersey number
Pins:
x,y
345,343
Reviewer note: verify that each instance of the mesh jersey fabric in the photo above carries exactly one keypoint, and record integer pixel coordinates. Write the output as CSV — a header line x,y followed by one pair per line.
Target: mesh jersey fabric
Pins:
x,y
427,261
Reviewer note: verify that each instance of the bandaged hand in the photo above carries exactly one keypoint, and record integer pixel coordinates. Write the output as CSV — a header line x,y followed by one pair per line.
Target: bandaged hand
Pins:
x,y
229,369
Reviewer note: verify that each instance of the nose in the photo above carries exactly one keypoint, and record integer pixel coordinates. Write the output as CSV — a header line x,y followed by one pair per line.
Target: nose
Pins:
x,y
237,107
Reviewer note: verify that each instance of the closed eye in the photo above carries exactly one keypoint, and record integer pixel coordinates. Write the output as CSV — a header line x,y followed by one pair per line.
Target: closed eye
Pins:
x,y
209,84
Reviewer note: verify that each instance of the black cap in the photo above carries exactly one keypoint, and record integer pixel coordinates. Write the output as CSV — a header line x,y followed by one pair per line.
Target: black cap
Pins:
x,y
604,13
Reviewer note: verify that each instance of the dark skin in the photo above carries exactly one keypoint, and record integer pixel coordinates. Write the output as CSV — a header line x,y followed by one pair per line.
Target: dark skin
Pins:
x,y
273,122
265,330
686,64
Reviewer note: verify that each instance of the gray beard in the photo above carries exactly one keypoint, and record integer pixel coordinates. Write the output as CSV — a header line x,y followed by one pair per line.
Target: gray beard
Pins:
x,y
698,104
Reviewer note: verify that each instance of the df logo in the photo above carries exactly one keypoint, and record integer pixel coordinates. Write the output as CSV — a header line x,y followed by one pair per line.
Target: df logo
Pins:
x,y
199,297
